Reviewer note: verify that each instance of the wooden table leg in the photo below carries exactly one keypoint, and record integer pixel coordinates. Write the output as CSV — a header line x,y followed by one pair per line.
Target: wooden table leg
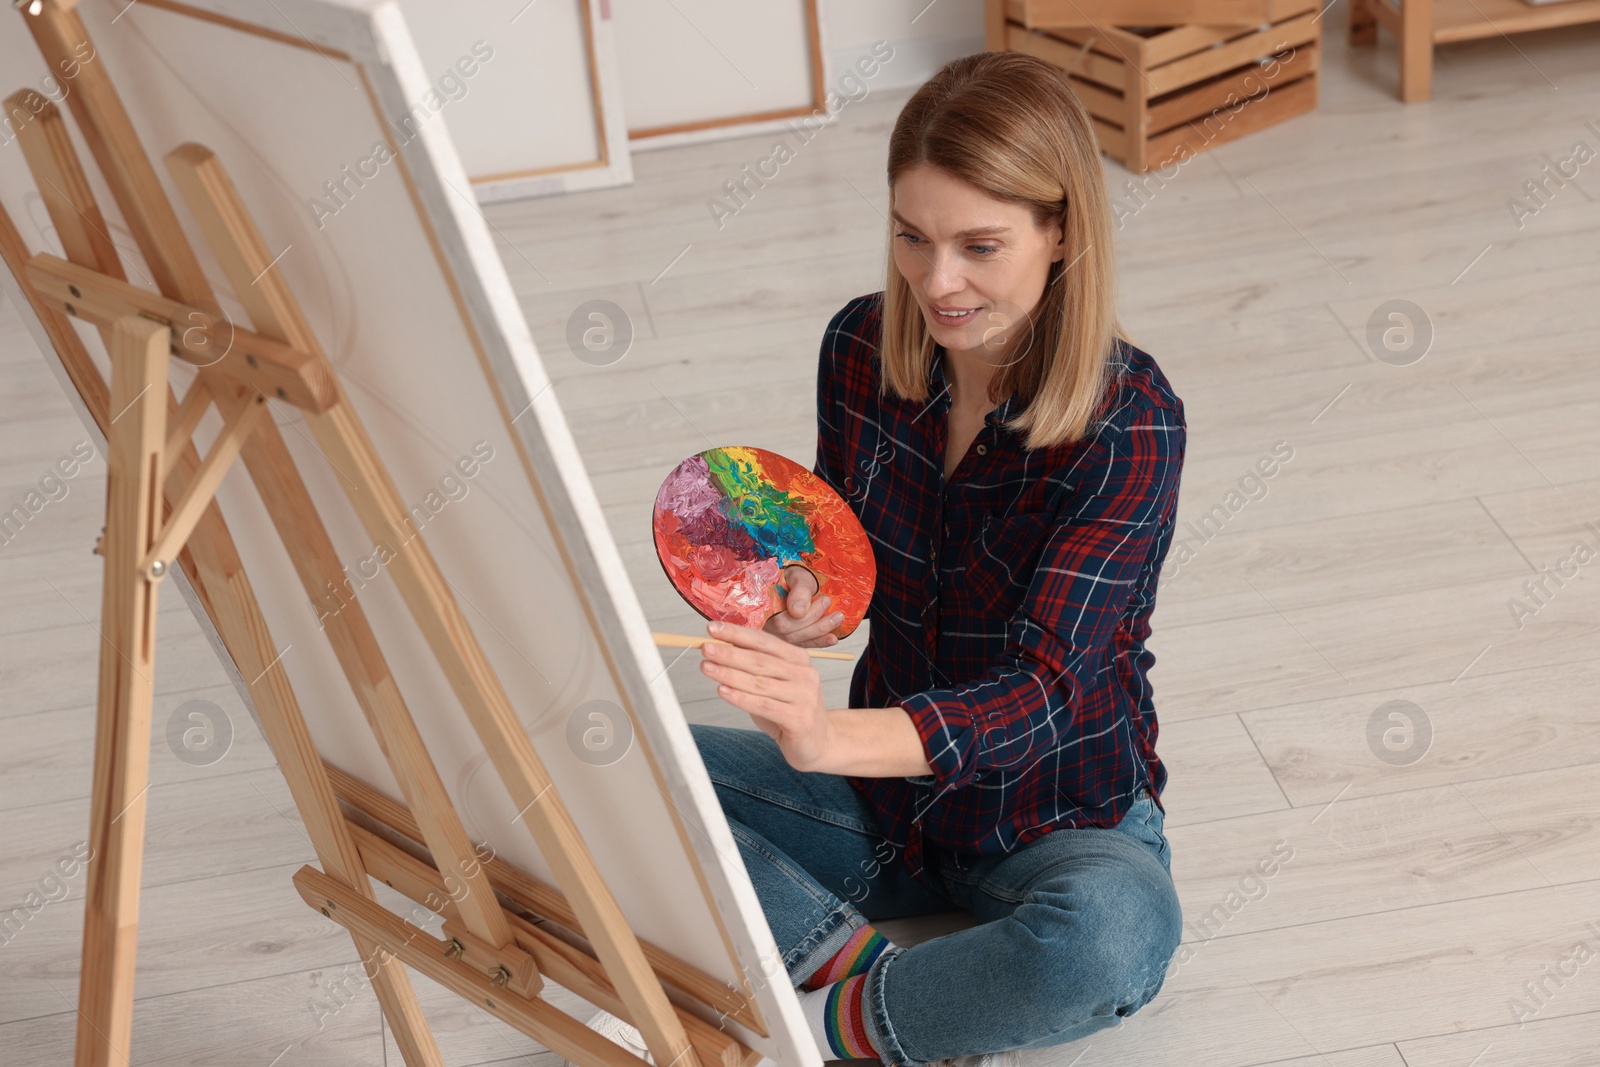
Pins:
x,y
1416,50
994,25
1363,28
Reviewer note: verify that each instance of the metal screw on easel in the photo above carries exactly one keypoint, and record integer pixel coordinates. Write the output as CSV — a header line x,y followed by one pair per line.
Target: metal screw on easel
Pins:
x,y
499,977
158,568
454,950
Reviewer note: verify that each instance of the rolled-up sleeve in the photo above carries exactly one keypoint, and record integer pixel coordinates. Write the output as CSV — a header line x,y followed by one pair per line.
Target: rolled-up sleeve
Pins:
x,y
1061,634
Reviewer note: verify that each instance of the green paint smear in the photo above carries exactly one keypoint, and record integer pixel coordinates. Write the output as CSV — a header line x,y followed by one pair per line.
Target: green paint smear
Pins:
x,y
771,516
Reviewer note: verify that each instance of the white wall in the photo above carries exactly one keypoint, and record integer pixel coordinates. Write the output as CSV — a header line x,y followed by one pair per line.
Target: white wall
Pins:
x,y
924,37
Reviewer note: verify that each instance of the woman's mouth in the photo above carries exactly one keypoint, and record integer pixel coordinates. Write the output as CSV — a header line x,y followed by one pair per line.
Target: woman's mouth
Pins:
x,y
953,316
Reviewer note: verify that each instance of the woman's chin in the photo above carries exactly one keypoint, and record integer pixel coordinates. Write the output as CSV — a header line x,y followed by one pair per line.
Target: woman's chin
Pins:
x,y
956,337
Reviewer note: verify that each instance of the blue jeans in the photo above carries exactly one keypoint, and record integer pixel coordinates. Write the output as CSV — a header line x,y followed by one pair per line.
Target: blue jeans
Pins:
x,y
1075,930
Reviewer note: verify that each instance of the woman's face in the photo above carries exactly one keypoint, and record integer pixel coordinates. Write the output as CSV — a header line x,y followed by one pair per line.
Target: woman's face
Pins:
x,y
964,252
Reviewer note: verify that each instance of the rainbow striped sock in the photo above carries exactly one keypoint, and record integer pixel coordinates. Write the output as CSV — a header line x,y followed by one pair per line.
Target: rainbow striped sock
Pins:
x,y
838,1019
856,957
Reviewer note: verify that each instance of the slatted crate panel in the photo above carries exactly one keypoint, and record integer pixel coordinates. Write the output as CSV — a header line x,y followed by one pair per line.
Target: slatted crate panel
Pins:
x,y
1161,94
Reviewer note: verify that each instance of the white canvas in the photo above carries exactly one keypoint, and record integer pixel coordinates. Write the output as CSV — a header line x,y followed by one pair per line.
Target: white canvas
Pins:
x,y
400,279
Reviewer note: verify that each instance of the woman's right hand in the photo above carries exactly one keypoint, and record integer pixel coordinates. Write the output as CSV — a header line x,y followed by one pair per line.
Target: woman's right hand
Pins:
x,y
804,619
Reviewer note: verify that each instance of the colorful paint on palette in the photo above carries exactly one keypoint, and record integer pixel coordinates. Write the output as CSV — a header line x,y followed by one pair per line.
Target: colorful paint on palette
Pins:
x,y
729,520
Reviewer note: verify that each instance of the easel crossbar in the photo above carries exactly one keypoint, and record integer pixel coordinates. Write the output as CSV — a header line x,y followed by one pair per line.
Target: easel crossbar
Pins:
x,y
567,964
204,339
529,894
247,410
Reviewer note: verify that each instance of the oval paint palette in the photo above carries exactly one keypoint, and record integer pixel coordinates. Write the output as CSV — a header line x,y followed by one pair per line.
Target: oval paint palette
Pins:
x,y
728,520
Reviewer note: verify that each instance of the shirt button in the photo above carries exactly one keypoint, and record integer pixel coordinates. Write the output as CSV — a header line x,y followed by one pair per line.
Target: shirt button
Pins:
x,y
983,450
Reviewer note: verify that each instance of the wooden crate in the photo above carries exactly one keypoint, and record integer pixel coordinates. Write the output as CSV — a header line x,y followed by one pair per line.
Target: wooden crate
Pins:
x,y
1161,94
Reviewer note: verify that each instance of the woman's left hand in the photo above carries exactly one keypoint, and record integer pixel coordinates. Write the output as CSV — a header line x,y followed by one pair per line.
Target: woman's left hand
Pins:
x,y
775,683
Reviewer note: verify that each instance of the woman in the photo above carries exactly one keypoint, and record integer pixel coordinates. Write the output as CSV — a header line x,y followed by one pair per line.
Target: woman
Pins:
x,y
1015,463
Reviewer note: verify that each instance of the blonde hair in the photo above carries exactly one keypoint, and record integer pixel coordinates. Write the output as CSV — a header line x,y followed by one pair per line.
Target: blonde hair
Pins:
x,y
1010,124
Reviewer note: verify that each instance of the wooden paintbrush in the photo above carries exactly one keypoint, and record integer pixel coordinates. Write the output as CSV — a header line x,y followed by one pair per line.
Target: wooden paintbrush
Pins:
x,y
686,641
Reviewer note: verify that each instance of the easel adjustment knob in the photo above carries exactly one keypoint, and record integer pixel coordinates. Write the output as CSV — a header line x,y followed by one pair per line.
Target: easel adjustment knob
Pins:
x,y
509,967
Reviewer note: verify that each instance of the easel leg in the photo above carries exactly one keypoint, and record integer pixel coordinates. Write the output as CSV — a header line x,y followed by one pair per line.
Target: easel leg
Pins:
x,y
217,207
122,731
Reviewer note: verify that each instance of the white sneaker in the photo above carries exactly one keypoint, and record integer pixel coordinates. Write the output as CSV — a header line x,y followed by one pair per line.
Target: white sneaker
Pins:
x,y
988,1059
628,1036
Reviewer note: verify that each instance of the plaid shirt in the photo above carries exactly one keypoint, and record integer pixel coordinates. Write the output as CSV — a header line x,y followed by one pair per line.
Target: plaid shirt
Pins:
x,y
1012,604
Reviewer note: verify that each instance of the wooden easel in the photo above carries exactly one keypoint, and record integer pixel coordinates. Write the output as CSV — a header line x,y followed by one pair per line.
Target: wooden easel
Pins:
x,y
160,513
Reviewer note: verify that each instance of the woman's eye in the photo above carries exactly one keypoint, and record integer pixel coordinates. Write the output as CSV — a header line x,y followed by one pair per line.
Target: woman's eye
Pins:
x,y
983,250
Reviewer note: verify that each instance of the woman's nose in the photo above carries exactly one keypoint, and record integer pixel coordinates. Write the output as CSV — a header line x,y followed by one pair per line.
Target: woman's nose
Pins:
x,y
943,279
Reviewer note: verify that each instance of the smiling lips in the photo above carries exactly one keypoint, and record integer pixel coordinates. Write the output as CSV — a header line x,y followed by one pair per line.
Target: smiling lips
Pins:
x,y
953,316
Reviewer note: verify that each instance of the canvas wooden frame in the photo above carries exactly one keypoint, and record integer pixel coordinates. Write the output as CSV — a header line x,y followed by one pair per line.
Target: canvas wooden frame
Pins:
x,y
612,163
692,132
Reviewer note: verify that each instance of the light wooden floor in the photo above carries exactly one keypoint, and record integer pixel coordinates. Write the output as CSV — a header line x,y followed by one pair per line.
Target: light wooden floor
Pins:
x,y
1421,899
